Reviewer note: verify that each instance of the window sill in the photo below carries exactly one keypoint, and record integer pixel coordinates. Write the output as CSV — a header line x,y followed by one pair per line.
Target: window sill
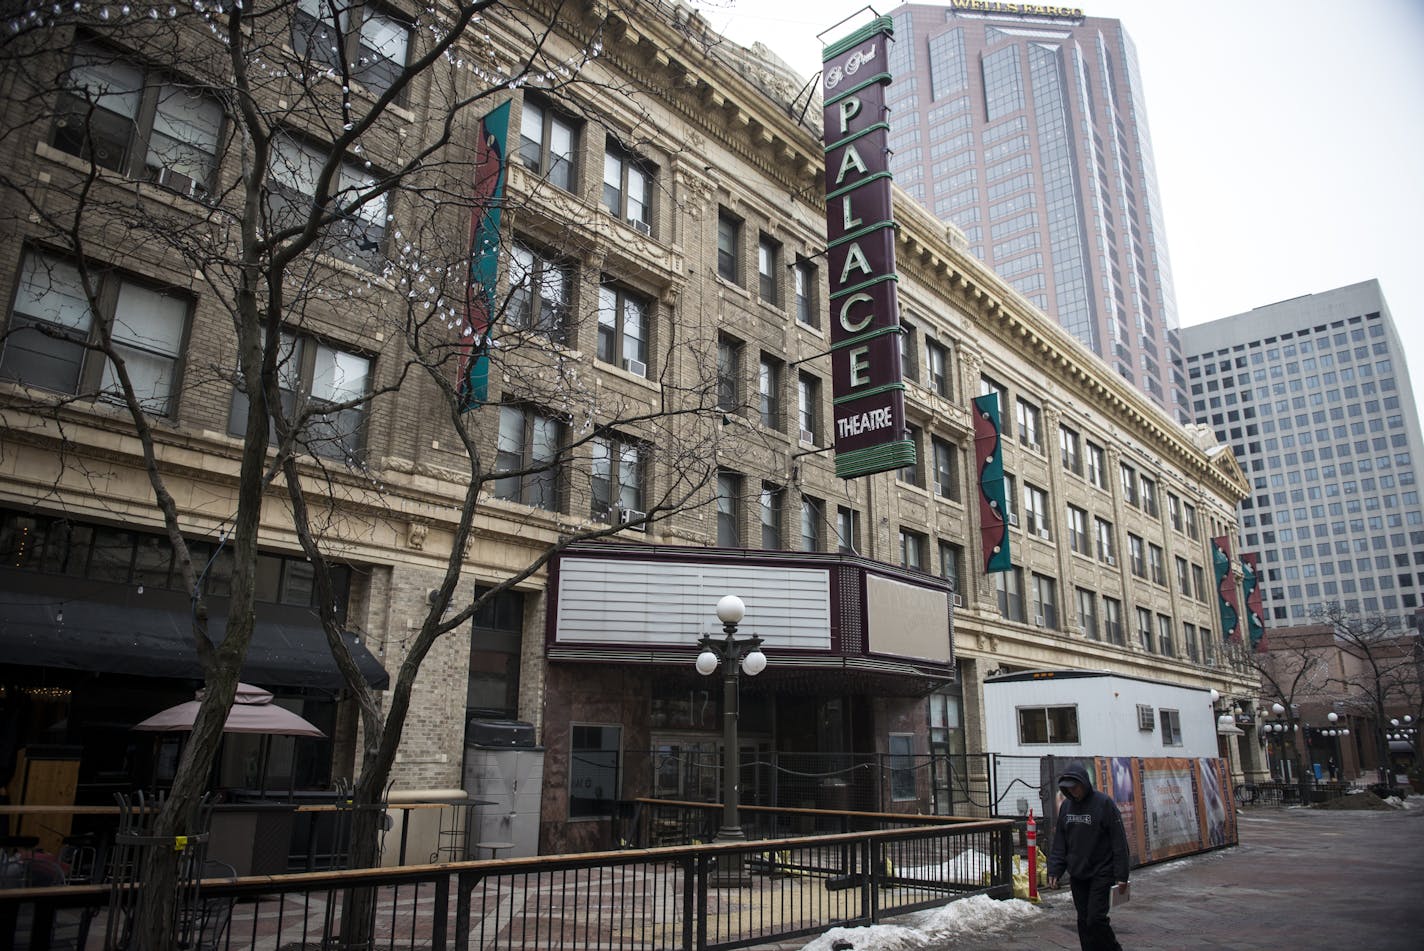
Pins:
x,y
731,286
614,370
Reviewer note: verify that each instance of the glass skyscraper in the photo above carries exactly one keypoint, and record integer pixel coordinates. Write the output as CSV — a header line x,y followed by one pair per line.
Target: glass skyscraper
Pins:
x,y
1313,395
1029,132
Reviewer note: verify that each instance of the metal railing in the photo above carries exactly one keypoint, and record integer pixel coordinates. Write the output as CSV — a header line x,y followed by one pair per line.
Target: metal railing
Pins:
x,y
645,898
1288,794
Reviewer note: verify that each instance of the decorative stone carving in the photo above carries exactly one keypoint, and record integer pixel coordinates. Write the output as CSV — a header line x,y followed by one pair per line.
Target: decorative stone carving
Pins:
x,y
415,533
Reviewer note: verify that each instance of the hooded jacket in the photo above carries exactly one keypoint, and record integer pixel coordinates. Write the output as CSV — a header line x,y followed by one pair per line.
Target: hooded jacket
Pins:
x,y
1088,837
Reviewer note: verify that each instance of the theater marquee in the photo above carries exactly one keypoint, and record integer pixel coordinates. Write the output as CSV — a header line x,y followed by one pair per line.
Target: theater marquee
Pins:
x,y
869,394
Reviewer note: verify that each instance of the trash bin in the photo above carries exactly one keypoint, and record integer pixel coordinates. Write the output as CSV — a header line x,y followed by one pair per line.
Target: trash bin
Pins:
x,y
253,837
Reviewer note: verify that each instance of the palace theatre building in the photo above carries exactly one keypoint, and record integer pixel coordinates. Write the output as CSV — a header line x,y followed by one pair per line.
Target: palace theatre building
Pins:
x,y
696,208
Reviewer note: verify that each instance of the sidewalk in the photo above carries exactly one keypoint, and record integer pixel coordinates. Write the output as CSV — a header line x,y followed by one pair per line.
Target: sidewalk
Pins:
x,y
1301,880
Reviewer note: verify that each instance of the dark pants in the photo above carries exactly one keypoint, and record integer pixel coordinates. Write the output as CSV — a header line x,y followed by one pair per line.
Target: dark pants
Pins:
x,y
1093,897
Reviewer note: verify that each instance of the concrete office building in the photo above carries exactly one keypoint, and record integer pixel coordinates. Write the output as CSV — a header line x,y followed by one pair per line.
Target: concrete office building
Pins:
x,y
1313,394
1028,129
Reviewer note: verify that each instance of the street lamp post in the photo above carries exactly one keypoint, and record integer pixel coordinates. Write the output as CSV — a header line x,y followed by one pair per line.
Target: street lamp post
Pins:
x,y
734,655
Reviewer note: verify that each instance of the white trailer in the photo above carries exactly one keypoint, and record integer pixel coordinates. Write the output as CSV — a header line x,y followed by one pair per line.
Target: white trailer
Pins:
x,y
1084,713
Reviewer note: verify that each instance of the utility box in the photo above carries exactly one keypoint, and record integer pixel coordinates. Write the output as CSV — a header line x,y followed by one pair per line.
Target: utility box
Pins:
x,y
505,771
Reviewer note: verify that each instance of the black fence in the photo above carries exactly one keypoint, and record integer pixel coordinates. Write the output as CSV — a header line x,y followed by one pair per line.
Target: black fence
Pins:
x,y
1288,794
707,896
977,785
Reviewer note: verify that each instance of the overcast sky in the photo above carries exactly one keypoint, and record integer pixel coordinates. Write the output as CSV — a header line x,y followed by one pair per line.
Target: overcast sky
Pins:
x,y
1289,138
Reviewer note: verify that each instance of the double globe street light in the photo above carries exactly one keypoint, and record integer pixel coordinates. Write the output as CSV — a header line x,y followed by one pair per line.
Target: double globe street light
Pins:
x,y
734,655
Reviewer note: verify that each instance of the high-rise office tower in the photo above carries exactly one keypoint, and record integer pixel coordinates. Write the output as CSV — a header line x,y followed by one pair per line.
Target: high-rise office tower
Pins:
x,y
1025,126
1313,395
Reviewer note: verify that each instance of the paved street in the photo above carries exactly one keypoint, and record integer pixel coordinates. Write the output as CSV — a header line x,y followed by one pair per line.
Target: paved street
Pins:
x,y
1301,880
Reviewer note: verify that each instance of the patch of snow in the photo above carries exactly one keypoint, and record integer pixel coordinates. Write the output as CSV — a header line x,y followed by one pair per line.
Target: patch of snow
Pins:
x,y
976,914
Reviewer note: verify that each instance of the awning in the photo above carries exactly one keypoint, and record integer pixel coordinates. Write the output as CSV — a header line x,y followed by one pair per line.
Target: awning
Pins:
x,y
36,630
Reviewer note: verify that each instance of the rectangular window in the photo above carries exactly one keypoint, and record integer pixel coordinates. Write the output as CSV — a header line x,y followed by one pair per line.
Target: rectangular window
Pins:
x,y
1078,539
769,391
909,355
1198,583
528,440
1149,496
373,45
729,510
729,246
319,380
937,361
1088,613
847,530
946,468
1189,515
1096,465
910,472
1107,550
1137,556
902,767
1164,636
627,187
768,263
772,497
496,636
912,549
1171,727
547,141
729,373
1155,564
1069,450
616,478
52,325
804,275
1028,416
1112,622
808,406
813,521
539,292
1039,725
1129,483
1184,581
1144,629
950,556
115,114
1008,587
1035,517
988,385
1045,601
1174,511
1189,637
595,760
359,231
623,329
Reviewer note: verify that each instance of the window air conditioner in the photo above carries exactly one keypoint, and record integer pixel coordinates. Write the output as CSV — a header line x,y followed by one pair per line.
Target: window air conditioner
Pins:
x,y
808,437
1043,533
1112,562
1013,518
1038,620
178,182
635,367
939,488
958,600
1146,720
630,515
642,227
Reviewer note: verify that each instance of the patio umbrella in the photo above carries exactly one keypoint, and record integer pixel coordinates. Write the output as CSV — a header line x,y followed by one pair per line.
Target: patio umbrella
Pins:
x,y
252,712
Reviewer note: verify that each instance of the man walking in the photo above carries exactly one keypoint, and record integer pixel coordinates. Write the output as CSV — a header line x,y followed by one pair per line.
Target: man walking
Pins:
x,y
1089,843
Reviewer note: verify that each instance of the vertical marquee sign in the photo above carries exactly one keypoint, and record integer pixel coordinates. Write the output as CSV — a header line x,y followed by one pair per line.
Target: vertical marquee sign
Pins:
x,y
1225,589
869,394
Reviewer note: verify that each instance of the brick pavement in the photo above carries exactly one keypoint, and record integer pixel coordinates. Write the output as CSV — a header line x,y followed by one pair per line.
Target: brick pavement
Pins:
x,y
1301,880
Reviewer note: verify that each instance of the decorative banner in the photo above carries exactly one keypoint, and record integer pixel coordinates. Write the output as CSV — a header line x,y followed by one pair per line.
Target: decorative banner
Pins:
x,y
1251,593
1225,588
988,454
480,292
868,392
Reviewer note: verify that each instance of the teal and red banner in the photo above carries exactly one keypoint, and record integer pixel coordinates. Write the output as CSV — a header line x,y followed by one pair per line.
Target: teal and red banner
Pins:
x,y
481,293
989,458
1225,588
1251,594
868,391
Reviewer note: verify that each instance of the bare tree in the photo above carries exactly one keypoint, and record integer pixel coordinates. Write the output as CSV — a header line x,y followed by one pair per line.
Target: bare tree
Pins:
x,y
1295,673
281,165
1382,671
